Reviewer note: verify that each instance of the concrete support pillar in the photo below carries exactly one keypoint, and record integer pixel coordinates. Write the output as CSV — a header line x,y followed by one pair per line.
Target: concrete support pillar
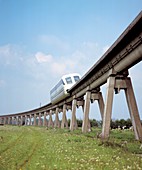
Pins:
x,y
64,118
73,124
89,124
133,109
35,119
108,107
16,120
26,120
57,122
45,120
39,120
50,123
30,120
86,113
12,120
9,120
4,120
21,120
97,95
101,104
121,82
0,120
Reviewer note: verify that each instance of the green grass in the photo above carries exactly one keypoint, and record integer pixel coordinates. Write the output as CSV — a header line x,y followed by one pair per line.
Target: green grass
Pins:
x,y
36,148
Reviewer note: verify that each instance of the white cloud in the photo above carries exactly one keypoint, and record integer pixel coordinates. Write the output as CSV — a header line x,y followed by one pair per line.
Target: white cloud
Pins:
x,y
42,58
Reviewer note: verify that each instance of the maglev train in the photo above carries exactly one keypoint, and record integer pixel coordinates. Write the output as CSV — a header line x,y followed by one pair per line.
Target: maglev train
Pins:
x,y
59,92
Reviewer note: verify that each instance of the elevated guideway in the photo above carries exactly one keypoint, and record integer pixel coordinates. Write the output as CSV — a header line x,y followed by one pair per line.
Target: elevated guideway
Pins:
x,y
112,68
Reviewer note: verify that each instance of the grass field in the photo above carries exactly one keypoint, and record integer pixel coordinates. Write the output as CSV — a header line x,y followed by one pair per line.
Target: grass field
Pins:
x,y
38,148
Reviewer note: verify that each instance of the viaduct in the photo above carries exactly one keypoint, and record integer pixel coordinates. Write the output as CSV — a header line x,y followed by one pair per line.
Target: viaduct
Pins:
x,y
112,68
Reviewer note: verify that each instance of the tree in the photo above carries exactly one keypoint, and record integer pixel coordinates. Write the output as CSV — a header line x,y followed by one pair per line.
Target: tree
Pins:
x,y
93,123
79,122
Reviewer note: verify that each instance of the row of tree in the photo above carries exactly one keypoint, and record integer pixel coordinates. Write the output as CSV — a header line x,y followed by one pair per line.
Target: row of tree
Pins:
x,y
98,123
114,123
121,124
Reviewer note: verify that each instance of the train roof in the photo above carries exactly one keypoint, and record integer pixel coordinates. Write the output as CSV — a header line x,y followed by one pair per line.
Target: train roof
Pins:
x,y
71,74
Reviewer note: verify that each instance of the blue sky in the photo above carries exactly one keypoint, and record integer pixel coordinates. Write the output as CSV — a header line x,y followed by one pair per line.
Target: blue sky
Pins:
x,y
40,40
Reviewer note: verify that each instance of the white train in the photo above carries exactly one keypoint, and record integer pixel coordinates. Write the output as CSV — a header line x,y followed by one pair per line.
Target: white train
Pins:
x,y
59,92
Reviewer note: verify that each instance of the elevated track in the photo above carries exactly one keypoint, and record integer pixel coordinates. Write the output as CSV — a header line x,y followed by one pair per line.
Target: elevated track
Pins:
x,y
112,68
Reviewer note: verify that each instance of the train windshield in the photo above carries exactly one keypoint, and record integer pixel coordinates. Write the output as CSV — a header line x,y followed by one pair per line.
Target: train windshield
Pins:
x,y
69,80
76,78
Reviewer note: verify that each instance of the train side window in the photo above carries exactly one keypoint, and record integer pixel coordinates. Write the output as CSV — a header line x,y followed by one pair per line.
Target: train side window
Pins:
x,y
69,80
76,78
59,84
